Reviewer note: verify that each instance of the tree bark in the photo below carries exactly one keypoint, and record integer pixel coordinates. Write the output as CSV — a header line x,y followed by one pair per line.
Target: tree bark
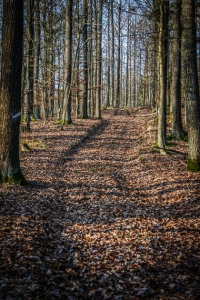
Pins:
x,y
108,62
37,59
163,53
127,60
118,57
99,60
10,91
177,128
66,117
85,60
112,56
190,83
30,65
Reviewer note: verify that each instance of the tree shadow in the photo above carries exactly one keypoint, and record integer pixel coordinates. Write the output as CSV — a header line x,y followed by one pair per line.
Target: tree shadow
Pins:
x,y
85,238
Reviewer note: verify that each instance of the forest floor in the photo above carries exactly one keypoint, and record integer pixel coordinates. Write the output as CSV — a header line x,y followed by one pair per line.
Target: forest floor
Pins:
x,y
106,215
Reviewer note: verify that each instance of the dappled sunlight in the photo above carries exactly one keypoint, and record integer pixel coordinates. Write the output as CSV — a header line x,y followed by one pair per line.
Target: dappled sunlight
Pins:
x,y
105,217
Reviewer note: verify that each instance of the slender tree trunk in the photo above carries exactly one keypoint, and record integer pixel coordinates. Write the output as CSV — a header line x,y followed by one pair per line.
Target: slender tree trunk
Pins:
x,y
154,68
190,83
108,62
90,52
37,60
30,65
85,60
94,60
118,57
135,78
68,65
51,60
130,97
112,100
177,128
127,62
99,60
77,63
163,52
10,91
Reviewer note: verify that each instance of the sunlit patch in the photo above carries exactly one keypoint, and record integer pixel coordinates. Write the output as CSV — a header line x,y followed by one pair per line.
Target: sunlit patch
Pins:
x,y
105,217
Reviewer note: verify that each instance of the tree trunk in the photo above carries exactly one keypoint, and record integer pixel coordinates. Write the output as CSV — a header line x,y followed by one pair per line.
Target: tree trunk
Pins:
x,y
85,60
127,60
37,59
133,100
112,56
10,91
108,62
30,65
99,60
68,65
118,57
190,83
177,128
77,64
163,52
90,62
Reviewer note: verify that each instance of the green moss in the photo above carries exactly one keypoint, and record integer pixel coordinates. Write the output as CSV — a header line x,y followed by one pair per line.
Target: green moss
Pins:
x,y
17,178
23,119
25,147
33,119
193,165
169,137
155,145
58,122
169,120
168,109
64,123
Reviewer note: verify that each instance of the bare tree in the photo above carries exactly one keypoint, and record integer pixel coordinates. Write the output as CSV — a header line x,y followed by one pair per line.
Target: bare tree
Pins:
x,y
98,59
190,83
177,128
68,65
85,59
113,55
163,52
30,64
10,91
118,56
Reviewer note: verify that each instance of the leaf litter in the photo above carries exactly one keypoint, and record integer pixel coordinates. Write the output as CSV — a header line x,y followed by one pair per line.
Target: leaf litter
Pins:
x,y
106,215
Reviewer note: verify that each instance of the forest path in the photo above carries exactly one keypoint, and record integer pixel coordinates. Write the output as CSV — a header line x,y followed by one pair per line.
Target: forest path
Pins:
x,y
105,218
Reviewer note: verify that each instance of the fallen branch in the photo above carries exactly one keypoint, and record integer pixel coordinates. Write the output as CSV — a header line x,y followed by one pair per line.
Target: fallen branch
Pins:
x,y
147,115
170,150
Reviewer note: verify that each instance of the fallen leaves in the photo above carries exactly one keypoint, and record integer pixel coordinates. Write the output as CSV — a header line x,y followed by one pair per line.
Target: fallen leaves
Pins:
x,y
105,218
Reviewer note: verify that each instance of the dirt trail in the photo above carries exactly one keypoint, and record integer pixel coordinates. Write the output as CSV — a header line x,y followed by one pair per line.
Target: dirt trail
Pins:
x,y
105,217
